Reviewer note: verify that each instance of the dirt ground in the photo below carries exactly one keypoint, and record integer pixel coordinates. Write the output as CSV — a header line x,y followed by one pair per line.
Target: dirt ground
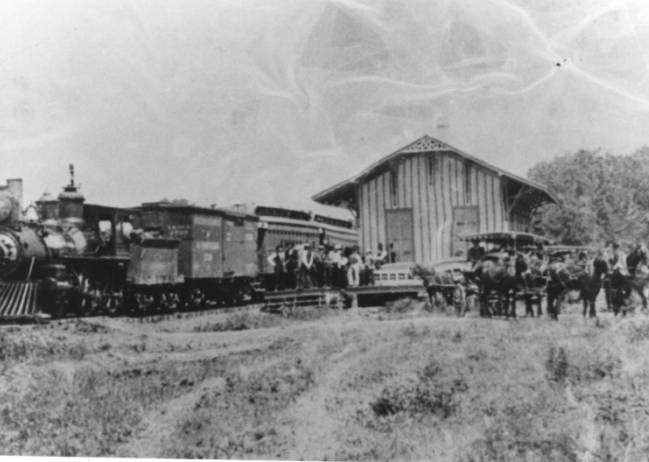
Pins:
x,y
369,384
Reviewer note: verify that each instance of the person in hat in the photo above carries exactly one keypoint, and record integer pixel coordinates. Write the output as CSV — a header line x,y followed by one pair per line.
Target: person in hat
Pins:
x,y
476,252
354,268
317,273
341,267
392,254
292,265
307,260
328,265
277,263
381,256
367,273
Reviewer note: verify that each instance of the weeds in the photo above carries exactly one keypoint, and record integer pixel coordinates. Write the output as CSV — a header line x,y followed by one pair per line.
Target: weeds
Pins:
x,y
251,320
87,417
402,305
240,321
430,393
30,345
556,365
237,419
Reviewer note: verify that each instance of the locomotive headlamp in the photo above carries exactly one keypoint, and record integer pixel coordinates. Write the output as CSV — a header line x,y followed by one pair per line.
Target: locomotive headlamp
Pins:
x,y
5,208
9,250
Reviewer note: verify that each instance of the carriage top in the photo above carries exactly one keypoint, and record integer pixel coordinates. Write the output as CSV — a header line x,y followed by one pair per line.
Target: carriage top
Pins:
x,y
516,238
561,250
453,264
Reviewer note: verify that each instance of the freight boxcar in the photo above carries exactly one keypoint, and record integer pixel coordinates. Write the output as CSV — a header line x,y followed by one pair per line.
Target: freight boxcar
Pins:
x,y
217,250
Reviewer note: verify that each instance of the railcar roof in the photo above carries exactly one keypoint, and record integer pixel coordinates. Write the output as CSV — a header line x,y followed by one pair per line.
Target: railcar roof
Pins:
x,y
507,237
193,209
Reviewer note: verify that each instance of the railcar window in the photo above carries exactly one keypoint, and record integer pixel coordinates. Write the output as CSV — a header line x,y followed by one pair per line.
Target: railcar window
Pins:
x,y
467,182
150,220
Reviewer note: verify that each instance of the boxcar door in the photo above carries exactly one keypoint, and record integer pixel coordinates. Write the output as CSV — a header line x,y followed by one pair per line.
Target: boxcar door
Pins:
x,y
400,233
465,221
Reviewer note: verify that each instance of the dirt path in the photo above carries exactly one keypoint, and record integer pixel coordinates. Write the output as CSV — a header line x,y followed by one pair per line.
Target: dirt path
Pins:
x,y
314,417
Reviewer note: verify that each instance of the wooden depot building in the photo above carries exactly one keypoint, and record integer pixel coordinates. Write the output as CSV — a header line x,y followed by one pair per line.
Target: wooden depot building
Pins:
x,y
424,196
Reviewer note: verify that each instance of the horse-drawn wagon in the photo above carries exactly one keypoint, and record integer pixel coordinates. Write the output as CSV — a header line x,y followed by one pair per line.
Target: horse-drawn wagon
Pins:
x,y
511,269
447,283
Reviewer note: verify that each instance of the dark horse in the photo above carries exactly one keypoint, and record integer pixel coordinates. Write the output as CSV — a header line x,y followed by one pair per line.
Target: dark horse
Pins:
x,y
622,286
501,277
563,277
590,285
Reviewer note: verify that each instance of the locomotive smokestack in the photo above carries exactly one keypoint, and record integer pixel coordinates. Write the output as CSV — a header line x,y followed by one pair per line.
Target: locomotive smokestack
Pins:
x,y
71,202
15,188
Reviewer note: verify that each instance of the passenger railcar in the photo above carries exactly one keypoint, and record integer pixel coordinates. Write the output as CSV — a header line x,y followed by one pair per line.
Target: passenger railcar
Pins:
x,y
282,226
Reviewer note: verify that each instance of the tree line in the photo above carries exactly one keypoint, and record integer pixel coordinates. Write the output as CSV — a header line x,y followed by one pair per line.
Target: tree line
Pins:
x,y
602,197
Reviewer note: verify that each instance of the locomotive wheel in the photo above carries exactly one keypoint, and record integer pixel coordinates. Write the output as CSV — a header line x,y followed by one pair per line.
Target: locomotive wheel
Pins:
x,y
144,304
88,303
197,300
113,304
169,302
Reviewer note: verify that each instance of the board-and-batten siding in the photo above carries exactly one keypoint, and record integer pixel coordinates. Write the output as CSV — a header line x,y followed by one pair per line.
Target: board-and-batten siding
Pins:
x,y
432,199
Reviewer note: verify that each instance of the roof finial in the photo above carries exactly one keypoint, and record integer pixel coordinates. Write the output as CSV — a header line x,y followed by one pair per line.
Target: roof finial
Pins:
x,y
71,167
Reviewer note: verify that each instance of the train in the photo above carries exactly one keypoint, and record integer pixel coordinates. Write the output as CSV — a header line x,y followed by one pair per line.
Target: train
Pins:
x,y
65,257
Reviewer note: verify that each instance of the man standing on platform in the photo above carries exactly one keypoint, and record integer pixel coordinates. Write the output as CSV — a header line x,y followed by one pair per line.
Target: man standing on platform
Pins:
x,y
276,261
306,265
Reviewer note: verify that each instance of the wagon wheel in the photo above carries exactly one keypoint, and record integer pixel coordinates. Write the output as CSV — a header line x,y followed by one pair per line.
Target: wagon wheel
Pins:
x,y
438,300
459,300
470,303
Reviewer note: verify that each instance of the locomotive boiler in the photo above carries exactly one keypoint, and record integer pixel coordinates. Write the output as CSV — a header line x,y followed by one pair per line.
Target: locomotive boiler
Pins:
x,y
30,252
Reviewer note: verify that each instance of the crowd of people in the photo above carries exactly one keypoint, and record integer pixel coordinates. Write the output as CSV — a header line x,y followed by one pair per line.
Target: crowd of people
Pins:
x,y
302,266
612,253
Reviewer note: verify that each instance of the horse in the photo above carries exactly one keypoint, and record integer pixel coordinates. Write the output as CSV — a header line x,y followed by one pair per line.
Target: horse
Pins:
x,y
590,284
566,276
501,276
622,286
442,287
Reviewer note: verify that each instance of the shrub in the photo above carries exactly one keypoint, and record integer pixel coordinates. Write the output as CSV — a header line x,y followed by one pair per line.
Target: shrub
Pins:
x,y
556,365
238,417
240,321
402,305
430,393
88,416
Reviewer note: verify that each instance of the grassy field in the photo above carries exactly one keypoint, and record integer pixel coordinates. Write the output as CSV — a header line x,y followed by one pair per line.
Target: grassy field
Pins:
x,y
375,384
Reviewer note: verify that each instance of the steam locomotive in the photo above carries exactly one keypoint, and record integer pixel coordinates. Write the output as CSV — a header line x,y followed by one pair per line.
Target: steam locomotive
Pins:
x,y
67,257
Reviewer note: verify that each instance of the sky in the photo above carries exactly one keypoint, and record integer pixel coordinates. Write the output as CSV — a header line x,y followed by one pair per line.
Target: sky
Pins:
x,y
268,101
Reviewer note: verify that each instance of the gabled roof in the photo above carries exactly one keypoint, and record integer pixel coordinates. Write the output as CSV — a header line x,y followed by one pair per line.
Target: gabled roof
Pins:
x,y
422,145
